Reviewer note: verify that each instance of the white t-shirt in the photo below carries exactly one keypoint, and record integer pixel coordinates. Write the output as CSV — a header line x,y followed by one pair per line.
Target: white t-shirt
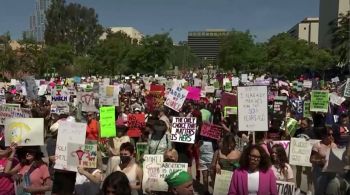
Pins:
x,y
253,183
279,174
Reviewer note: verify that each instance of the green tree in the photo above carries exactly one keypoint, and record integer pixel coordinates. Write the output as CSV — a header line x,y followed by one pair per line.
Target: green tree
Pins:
x,y
340,41
8,63
183,57
59,58
73,24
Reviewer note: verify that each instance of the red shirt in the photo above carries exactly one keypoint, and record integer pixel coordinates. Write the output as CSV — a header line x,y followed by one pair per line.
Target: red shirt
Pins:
x,y
92,130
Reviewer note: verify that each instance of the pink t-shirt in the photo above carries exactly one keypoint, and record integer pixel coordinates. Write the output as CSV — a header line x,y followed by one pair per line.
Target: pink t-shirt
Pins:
x,y
38,176
6,182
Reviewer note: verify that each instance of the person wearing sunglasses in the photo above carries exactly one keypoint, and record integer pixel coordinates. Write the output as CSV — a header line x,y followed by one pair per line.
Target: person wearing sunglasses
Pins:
x,y
255,175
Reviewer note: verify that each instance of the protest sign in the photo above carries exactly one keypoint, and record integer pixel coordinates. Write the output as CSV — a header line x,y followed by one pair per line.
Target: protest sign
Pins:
x,y
154,100
216,84
68,132
306,109
60,104
284,143
140,150
2,97
157,88
84,155
319,101
193,93
252,108
109,95
184,129
335,160
235,81
228,100
307,84
151,171
230,110
87,100
335,99
280,106
228,86
292,126
135,123
13,112
347,88
297,107
176,98
285,188
24,131
42,90
211,131
107,121
222,182
209,89
31,88
244,78
165,170
300,151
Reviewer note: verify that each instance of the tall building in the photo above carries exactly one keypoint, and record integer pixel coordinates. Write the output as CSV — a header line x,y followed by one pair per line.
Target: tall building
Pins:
x,y
306,30
130,31
206,44
38,20
329,12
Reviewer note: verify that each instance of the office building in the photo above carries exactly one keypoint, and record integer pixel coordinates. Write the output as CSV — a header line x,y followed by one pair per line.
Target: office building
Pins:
x,y
37,21
206,44
306,30
329,12
130,31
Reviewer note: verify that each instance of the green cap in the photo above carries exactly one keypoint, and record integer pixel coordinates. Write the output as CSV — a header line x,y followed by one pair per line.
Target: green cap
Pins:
x,y
177,178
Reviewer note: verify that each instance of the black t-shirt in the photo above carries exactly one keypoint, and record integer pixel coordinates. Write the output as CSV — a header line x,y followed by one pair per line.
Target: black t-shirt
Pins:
x,y
51,146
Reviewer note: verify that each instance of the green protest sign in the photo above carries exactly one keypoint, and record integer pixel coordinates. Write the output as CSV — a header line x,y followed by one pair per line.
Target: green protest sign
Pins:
x,y
306,110
140,150
107,121
216,85
292,126
228,86
319,101
230,110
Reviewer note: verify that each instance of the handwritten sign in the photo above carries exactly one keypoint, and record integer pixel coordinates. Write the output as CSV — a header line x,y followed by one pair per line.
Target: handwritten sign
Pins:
x,y
166,169
209,89
193,93
151,171
335,99
13,112
347,88
183,129
222,182
307,84
109,95
211,131
306,109
135,123
176,98
228,100
107,121
154,100
230,110
280,105
87,100
300,151
319,101
140,150
252,108
24,131
285,188
68,132
84,155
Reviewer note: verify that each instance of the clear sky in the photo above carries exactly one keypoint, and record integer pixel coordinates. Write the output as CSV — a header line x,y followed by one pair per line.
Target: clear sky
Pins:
x,y
263,18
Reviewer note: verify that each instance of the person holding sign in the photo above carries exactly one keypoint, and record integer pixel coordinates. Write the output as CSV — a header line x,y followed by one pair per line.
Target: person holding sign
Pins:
x,y
7,163
254,175
129,167
282,170
92,130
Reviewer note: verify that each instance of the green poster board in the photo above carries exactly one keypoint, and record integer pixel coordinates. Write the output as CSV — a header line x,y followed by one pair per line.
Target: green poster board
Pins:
x,y
230,110
140,150
306,110
228,86
107,121
319,101
216,85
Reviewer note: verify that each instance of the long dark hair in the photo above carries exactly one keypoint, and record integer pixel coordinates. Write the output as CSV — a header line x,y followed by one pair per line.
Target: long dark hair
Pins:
x,y
118,182
226,143
265,162
281,156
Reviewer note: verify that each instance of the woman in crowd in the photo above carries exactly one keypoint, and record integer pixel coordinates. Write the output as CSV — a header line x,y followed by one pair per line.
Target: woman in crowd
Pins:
x,y
34,169
117,183
159,138
282,170
129,167
171,155
180,183
254,175
324,182
7,163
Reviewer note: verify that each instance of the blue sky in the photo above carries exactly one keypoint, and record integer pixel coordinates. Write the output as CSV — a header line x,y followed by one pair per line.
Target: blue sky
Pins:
x,y
263,18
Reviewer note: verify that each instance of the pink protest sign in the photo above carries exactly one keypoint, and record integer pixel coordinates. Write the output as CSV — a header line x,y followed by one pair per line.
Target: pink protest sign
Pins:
x,y
211,131
228,100
193,93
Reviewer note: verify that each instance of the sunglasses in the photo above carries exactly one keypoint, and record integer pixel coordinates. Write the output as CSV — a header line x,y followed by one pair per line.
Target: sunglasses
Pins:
x,y
256,158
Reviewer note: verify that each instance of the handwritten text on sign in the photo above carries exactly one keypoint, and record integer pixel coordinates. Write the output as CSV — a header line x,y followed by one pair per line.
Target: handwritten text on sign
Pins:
x,y
151,171
300,151
211,131
176,98
183,129
252,108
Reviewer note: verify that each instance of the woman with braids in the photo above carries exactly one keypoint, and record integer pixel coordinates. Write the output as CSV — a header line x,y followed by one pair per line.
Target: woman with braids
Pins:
x,y
280,166
254,175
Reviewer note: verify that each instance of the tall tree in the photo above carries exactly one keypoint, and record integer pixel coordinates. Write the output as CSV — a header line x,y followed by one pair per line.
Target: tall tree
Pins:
x,y
340,41
74,24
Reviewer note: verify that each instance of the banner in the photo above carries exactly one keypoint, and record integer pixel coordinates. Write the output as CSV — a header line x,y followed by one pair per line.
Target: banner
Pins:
x,y
211,131
347,88
87,100
107,121
151,171
319,101
184,129
24,131
68,132
252,107
193,93
222,182
176,98
300,151
285,188
230,110
84,155
135,123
